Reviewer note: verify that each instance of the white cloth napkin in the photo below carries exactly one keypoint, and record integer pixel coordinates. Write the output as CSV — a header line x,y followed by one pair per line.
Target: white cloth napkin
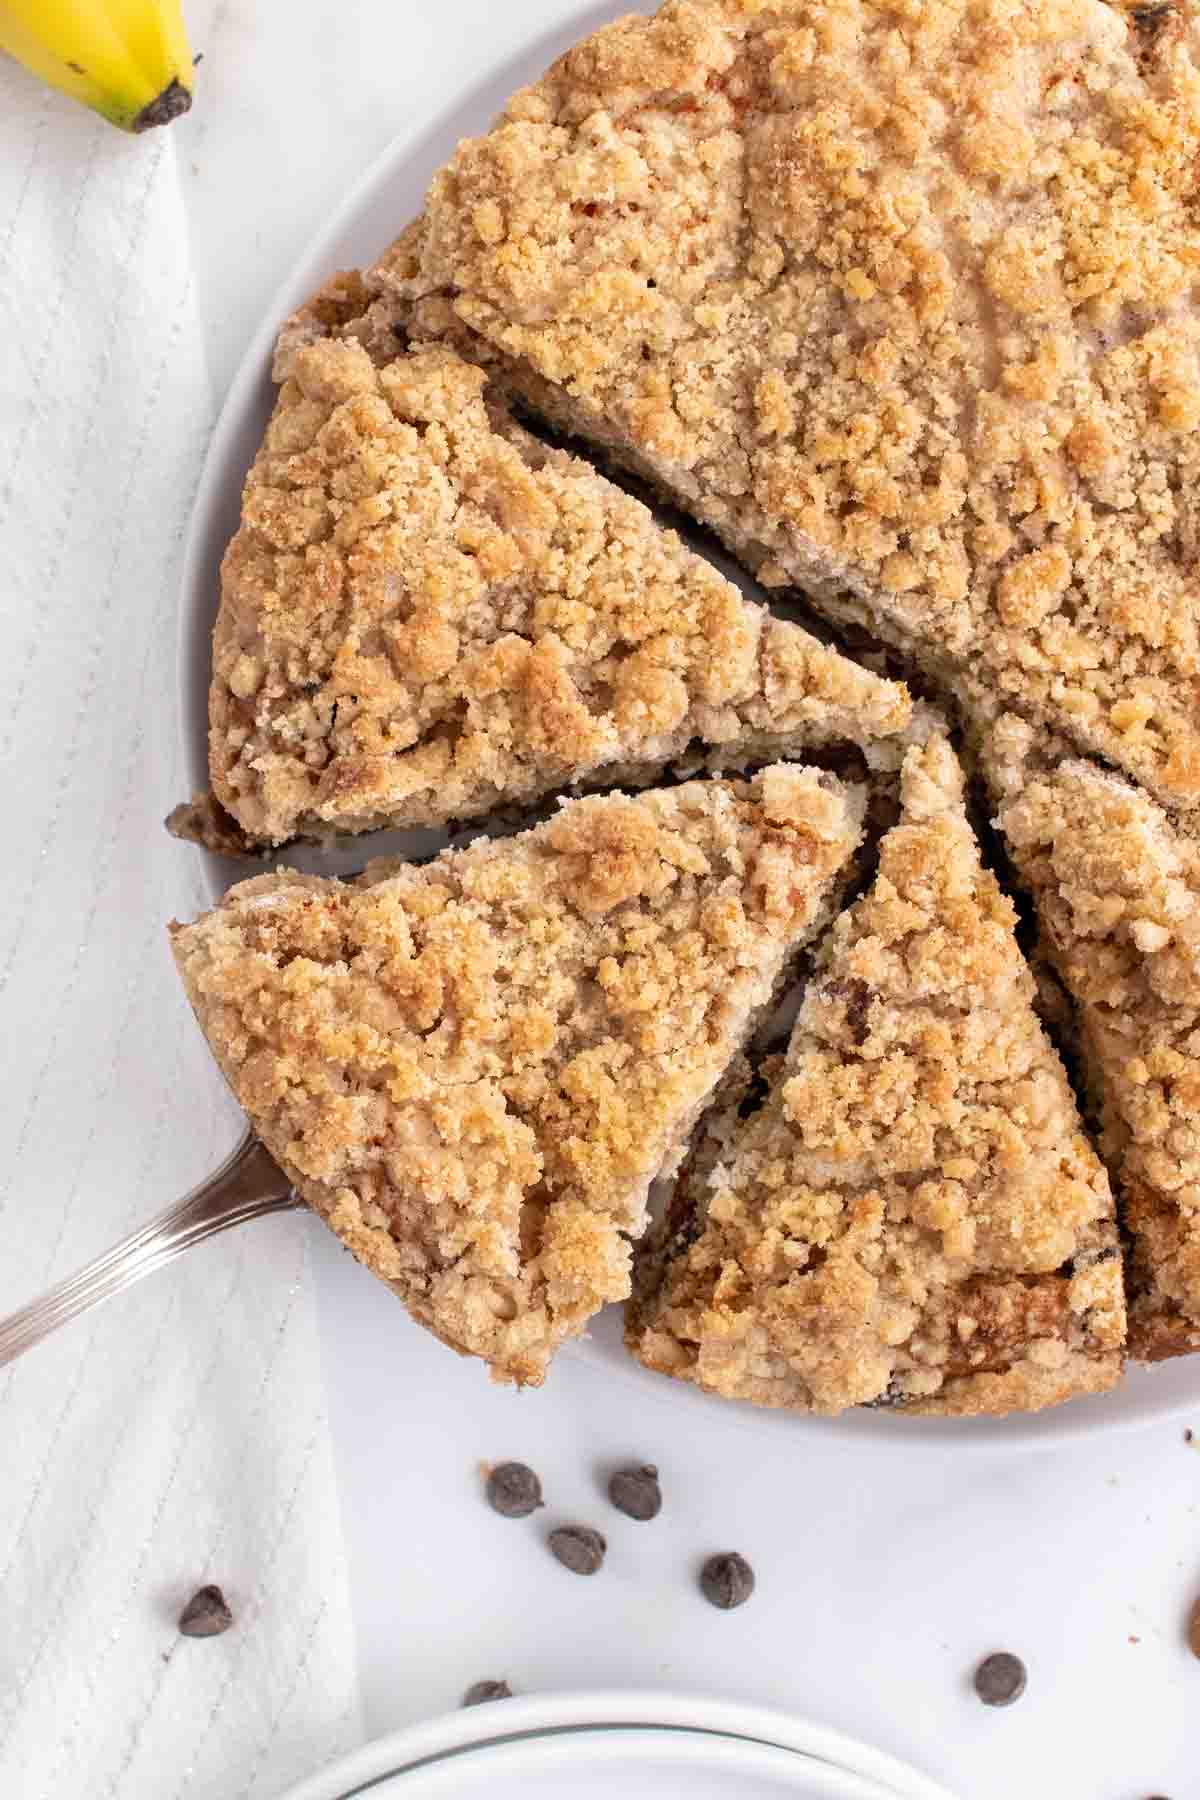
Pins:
x,y
178,1436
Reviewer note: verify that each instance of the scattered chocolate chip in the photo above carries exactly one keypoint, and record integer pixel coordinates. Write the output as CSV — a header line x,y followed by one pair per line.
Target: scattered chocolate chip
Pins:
x,y
727,1580
578,1548
1000,1679
1187,1436
206,1614
636,1492
513,1490
479,1691
1193,1632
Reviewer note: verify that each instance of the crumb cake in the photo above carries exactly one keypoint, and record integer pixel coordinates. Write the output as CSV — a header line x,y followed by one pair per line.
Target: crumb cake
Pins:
x,y
899,300
426,613
474,1069
1117,886
913,1216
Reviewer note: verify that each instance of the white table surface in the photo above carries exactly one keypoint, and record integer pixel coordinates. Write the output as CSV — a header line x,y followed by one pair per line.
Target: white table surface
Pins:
x,y
883,1576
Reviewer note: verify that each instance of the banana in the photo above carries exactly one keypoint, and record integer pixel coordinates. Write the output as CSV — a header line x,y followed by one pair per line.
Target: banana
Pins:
x,y
129,60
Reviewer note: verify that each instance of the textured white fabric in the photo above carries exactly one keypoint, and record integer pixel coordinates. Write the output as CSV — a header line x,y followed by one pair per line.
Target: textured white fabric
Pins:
x,y
177,1436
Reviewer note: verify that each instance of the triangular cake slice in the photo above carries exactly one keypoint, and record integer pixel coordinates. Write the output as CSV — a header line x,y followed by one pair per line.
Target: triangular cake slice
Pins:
x,y
900,302
1116,882
913,1216
426,614
474,1069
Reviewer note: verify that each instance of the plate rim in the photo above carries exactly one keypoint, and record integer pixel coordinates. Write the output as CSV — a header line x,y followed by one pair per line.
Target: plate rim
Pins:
x,y
203,544
537,1715
507,1756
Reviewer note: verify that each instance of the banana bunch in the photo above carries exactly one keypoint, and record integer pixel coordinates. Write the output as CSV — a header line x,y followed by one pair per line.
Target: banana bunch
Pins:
x,y
127,59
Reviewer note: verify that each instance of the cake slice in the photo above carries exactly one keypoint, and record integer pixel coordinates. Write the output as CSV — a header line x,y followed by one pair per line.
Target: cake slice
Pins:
x,y
473,1070
913,1216
901,302
1117,887
426,613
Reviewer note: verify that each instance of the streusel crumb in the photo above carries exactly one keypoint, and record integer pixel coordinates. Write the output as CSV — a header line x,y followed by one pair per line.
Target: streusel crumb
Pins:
x,y
473,1070
899,299
336,304
1117,885
426,613
914,1216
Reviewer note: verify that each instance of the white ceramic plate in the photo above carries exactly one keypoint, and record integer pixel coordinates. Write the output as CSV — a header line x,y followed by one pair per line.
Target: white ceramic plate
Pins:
x,y
674,1747
595,1765
390,194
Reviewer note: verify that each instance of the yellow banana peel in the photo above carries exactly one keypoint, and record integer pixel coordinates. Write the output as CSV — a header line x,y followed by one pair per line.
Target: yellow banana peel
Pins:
x,y
129,60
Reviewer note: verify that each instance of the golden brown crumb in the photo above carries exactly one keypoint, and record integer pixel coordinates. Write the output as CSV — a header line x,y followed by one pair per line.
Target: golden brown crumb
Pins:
x,y
915,1215
346,306
203,820
473,1070
337,303
425,614
1117,885
899,299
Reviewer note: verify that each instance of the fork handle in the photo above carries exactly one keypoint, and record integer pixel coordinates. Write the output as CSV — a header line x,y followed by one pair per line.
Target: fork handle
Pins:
x,y
248,1185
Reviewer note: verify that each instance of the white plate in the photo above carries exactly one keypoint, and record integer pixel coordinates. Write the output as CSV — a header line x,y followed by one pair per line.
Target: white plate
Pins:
x,y
674,1747
595,1765
391,193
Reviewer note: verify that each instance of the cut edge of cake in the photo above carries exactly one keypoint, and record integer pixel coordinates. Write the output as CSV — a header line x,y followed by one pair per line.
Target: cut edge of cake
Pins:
x,y
474,1070
427,615
1116,883
840,1246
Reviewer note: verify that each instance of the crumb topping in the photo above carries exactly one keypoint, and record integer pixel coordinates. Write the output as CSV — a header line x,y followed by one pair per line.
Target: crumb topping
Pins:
x,y
914,1216
474,1069
426,613
1118,893
899,296
340,300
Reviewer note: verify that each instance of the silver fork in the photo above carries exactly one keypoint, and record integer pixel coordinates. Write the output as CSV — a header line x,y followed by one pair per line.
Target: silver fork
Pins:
x,y
248,1185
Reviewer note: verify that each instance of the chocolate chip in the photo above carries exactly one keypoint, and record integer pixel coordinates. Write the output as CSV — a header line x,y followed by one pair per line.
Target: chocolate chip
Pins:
x,y
513,1490
578,1548
727,1580
1000,1679
479,1691
1151,26
206,1614
636,1492
856,996
1193,1632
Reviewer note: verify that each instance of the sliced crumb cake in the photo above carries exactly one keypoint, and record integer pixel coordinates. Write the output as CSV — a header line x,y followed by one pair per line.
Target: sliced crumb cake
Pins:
x,y
1117,886
900,301
913,1215
473,1070
426,614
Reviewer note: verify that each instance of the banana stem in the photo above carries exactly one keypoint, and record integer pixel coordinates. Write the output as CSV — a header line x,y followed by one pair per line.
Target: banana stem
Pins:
x,y
174,100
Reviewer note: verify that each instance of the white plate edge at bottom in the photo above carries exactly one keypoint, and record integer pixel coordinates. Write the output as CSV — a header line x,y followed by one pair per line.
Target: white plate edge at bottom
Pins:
x,y
595,1748
534,1715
